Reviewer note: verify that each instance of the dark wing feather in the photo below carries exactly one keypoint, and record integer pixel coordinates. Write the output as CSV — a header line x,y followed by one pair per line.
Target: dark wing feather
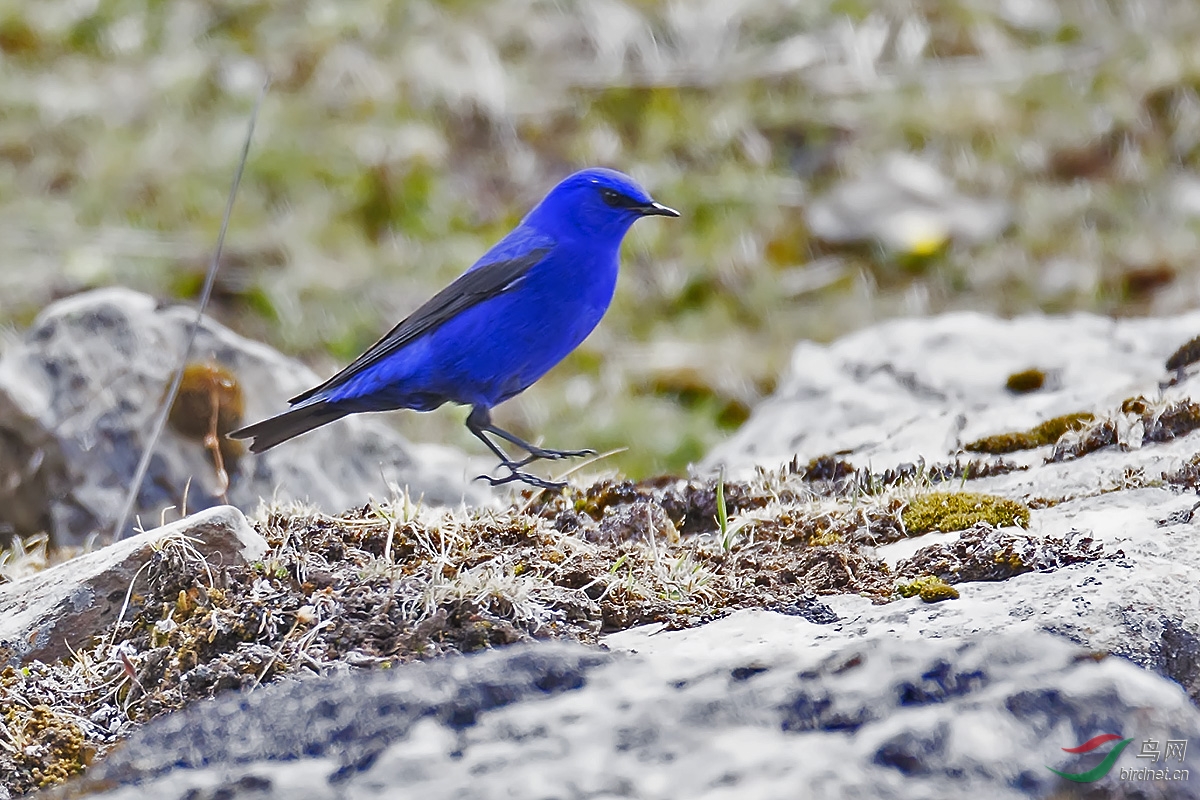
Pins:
x,y
471,288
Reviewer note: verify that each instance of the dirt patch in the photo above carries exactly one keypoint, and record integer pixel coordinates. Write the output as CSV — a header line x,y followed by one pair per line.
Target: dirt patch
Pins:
x,y
390,583
1147,422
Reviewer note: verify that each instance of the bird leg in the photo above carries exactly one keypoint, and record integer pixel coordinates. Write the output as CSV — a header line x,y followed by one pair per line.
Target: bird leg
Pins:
x,y
479,423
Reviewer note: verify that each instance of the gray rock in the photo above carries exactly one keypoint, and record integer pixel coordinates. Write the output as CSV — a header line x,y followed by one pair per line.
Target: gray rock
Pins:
x,y
1144,606
758,705
78,395
917,389
47,615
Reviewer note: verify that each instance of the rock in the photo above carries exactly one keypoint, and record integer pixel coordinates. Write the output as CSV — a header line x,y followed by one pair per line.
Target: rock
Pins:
x,y
919,388
912,390
755,705
47,615
1143,605
77,397
906,206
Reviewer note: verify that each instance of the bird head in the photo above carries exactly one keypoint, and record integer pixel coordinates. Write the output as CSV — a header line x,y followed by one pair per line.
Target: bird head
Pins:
x,y
595,202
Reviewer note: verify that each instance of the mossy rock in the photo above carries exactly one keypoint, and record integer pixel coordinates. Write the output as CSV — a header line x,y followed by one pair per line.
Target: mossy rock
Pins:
x,y
1045,433
1025,381
956,511
52,747
929,588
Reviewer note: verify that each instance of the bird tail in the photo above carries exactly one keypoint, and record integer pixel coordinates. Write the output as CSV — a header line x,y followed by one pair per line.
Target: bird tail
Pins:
x,y
289,424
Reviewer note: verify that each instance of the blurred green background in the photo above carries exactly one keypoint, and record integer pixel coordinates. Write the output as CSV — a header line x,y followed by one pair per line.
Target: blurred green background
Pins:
x,y
400,139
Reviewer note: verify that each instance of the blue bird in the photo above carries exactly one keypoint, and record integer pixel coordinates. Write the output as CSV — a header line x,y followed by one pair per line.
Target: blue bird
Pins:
x,y
527,303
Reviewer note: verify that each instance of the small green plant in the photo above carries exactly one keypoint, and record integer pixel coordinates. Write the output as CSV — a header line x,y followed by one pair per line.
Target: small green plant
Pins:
x,y
728,529
722,514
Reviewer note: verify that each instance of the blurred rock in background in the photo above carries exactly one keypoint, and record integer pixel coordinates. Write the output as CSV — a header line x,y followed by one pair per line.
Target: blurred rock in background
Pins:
x,y
907,207
77,400
911,389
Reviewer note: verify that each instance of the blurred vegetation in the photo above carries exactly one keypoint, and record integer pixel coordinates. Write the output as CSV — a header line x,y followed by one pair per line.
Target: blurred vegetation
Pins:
x,y
399,140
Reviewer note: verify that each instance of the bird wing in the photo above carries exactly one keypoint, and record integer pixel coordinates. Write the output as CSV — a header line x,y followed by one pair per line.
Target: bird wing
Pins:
x,y
471,288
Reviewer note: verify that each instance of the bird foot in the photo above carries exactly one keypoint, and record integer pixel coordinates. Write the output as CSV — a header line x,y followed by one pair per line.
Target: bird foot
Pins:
x,y
537,453
517,475
542,454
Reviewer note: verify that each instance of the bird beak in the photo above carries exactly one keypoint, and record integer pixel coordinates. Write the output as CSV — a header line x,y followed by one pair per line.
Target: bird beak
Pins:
x,y
657,210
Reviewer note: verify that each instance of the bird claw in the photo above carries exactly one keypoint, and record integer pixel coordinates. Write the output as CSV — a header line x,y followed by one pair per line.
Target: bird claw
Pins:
x,y
539,453
517,475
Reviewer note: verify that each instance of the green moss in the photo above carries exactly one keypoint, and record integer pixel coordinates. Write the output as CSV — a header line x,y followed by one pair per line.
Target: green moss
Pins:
x,y
1010,559
1051,430
1025,381
937,591
51,747
825,539
929,588
956,511
1045,433
17,36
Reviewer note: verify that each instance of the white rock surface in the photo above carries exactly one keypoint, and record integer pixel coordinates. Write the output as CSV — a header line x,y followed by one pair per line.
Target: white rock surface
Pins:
x,y
918,388
911,389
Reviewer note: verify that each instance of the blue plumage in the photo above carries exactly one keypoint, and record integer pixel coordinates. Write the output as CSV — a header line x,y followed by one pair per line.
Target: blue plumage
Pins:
x,y
504,323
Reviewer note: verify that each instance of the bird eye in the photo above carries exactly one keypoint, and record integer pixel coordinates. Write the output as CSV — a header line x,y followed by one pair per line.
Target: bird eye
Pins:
x,y
612,198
